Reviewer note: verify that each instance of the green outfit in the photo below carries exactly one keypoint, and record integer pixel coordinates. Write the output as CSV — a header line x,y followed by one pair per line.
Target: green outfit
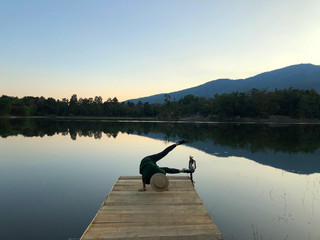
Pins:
x,y
147,168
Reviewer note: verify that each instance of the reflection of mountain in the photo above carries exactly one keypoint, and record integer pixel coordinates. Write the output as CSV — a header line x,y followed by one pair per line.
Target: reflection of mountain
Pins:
x,y
302,163
294,148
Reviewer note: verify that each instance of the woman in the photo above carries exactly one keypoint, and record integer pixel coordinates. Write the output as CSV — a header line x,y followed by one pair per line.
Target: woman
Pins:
x,y
149,167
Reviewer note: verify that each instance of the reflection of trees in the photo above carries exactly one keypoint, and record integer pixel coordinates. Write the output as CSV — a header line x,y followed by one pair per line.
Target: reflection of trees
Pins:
x,y
255,137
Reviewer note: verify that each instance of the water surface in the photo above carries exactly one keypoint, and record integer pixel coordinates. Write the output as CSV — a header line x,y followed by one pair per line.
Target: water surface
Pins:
x,y
256,181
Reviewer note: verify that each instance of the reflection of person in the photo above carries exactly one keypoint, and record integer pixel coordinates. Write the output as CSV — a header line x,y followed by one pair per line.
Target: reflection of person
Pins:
x,y
149,167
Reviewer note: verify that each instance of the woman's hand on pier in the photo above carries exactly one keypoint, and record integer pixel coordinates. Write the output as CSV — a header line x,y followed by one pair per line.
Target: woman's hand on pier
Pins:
x,y
144,188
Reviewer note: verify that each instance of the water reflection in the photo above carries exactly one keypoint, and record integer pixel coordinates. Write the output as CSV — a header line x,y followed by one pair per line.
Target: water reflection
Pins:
x,y
255,137
54,174
288,147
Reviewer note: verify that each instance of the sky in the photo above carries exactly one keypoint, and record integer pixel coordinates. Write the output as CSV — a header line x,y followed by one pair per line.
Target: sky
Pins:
x,y
137,48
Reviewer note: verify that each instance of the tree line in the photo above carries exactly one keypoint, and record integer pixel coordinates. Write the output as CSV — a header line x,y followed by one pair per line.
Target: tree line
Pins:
x,y
255,103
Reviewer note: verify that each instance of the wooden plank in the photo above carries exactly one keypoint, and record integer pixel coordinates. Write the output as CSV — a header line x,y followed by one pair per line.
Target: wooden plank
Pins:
x,y
138,218
135,186
170,209
139,178
150,232
174,214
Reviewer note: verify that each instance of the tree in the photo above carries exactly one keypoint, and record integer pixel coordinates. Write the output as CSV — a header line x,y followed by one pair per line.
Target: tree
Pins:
x,y
5,105
97,100
73,99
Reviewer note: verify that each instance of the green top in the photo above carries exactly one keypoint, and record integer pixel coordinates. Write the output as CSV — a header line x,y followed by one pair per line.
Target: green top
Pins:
x,y
148,168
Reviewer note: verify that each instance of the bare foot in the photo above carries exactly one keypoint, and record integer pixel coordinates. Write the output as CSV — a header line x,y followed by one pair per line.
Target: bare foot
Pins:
x,y
142,190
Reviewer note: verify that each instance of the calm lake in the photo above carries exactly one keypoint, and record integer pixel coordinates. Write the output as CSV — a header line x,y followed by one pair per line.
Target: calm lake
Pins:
x,y
257,181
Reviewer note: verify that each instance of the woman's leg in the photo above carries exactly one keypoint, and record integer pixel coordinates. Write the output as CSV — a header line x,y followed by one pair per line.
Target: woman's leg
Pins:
x,y
158,156
171,170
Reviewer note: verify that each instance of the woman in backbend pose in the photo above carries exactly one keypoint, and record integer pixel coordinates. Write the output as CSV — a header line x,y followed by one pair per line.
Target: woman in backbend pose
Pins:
x,y
149,167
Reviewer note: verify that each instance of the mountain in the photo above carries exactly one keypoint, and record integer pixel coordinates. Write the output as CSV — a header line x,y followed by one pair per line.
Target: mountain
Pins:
x,y
301,76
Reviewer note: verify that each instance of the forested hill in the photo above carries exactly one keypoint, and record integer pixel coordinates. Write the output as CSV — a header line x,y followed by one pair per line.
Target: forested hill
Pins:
x,y
293,103
301,76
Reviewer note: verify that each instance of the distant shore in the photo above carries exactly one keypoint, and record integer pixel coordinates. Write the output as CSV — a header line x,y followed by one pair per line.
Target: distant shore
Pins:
x,y
197,119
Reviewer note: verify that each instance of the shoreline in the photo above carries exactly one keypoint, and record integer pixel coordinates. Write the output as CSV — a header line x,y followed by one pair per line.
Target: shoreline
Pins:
x,y
275,120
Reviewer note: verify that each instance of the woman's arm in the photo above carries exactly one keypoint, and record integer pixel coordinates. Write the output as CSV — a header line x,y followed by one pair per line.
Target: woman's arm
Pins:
x,y
144,188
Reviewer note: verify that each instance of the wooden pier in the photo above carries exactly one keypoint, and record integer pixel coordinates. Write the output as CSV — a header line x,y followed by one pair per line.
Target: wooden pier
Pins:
x,y
174,214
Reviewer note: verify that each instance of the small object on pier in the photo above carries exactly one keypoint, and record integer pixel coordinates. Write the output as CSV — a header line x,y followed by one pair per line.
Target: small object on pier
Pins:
x,y
192,165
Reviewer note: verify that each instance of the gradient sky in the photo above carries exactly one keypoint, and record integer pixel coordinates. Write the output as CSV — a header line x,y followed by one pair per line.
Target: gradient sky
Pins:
x,y
136,48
